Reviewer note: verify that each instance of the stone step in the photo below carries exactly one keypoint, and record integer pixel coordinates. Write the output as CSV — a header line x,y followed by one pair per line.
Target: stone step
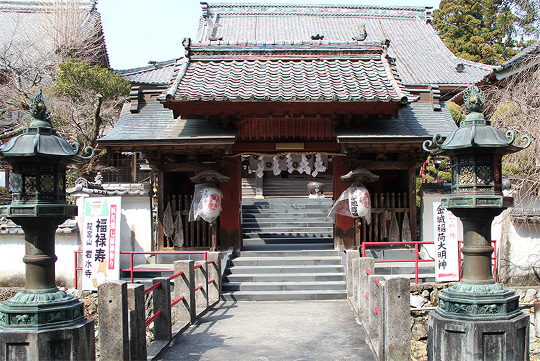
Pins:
x,y
289,200
285,253
275,216
284,261
281,222
317,232
279,240
285,269
284,277
283,286
284,295
298,233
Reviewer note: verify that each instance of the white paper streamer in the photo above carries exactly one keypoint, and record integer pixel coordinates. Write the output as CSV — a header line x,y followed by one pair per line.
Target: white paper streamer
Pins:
x,y
260,167
318,165
290,167
304,166
276,169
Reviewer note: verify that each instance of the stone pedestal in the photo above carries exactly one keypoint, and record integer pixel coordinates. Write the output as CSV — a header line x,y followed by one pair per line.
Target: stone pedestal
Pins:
x,y
478,322
75,342
452,339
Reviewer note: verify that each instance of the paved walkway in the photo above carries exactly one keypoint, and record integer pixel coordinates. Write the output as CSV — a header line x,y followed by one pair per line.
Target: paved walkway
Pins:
x,y
280,331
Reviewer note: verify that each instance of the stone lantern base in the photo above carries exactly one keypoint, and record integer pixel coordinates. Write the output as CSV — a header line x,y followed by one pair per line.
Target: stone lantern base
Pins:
x,y
473,339
75,342
46,325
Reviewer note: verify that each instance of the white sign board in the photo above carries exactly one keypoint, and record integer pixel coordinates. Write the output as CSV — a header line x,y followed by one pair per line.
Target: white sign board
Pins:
x,y
446,244
101,241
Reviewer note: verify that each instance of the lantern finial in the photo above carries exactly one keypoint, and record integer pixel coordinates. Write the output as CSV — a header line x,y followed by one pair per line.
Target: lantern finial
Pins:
x,y
474,99
39,107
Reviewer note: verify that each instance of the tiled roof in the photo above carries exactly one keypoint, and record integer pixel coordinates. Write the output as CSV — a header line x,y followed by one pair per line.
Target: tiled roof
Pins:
x,y
417,120
26,29
421,56
153,122
525,54
156,73
310,71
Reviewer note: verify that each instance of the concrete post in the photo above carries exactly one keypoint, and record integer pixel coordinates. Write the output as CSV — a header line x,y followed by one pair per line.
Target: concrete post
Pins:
x,y
136,317
201,287
363,286
351,254
355,276
536,308
396,317
113,321
184,286
374,312
162,302
214,273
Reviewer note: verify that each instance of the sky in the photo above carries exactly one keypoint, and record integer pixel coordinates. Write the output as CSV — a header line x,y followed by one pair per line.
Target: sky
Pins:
x,y
139,31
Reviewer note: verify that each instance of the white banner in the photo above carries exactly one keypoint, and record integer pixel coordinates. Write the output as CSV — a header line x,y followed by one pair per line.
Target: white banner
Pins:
x,y
446,244
101,241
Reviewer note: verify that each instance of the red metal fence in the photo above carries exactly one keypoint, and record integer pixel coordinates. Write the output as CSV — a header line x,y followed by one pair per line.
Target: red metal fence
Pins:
x,y
417,259
131,269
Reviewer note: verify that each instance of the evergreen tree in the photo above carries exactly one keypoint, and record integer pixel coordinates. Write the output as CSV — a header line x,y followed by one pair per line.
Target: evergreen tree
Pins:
x,y
487,31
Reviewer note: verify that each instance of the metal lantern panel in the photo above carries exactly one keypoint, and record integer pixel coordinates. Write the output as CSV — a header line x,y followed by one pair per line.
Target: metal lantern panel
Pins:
x,y
478,173
32,182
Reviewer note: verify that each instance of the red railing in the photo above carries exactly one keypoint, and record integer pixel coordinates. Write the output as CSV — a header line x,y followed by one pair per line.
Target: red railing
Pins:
x,y
131,269
181,298
417,260
131,254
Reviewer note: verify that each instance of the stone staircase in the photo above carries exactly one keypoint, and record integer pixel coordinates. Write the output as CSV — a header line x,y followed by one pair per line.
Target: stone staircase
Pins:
x,y
288,253
286,221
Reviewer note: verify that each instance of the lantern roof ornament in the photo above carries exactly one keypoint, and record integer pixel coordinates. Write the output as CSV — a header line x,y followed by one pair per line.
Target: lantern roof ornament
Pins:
x,y
476,132
39,107
474,99
40,139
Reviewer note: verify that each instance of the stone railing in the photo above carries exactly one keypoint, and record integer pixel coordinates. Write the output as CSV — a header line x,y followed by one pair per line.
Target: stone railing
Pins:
x,y
122,330
383,307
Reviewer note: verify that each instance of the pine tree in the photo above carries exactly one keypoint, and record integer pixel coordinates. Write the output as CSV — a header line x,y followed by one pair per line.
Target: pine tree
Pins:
x,y
487,31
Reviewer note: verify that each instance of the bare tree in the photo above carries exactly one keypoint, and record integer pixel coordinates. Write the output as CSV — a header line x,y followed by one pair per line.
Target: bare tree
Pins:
x,y
34,39
58,46
514,104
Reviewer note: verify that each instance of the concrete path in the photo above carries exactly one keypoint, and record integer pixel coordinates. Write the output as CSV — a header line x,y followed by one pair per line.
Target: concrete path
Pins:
x,y
280,331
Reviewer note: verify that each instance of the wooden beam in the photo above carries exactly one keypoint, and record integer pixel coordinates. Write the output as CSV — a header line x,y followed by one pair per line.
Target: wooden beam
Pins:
x,y
182,167
380,165
247,109
412,202
270,147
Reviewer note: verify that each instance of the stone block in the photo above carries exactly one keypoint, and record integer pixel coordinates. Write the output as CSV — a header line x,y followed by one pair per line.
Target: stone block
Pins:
x,y
162,302
396,317
136,319
478,338
351,254
184,285
214,273
373,318
363,286
113,321
354,277
201,288
71,343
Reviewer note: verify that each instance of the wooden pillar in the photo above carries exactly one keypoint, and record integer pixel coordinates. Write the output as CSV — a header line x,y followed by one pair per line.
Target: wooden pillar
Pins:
x,y
343,226
412,202
230,222
161,209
